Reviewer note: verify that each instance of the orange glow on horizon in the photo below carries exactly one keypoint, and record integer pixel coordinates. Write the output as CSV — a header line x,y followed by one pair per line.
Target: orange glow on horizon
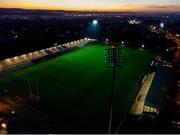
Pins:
x,y
79,7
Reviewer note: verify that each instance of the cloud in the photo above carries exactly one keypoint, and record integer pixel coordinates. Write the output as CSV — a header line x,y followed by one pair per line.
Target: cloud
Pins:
x,y
164,7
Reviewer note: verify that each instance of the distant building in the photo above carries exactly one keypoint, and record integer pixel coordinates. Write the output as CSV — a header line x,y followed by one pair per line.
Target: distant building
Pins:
x,y
135,21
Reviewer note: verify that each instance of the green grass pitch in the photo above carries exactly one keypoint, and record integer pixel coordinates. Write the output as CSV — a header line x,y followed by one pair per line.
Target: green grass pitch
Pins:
x,y
77,85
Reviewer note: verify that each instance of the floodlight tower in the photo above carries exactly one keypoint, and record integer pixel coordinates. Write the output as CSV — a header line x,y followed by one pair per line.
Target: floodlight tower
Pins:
x,y
113,59
95,23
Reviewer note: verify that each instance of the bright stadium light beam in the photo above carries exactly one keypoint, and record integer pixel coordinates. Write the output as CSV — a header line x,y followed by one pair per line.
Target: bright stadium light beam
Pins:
x,y
95,22
162,25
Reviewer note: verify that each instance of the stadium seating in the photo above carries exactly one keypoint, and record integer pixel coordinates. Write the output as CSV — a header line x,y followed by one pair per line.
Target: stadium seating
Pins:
x,y
48,52
15,62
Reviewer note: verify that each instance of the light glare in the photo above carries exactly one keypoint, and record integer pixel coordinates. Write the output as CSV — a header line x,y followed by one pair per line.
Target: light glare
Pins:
x,y
95,22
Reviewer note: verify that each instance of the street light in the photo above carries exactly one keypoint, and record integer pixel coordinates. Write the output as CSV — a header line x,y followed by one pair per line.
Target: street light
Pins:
x,y
113,59
123,43
143,46
107,40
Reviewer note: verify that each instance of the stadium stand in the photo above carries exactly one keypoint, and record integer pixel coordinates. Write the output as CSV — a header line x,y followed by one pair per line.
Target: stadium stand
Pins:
x,y
138,106
158,90
16,62
152,95
48,52
65,47
59,48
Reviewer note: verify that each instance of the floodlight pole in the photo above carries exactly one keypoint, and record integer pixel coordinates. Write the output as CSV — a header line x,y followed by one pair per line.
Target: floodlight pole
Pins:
x,y
113,60
94,31
112,96
31,94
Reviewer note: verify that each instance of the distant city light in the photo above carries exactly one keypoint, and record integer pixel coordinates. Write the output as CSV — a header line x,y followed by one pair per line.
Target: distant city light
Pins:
x,y
107,40
135,21
177,35
95,22
113,46
3,125
142,46
13,112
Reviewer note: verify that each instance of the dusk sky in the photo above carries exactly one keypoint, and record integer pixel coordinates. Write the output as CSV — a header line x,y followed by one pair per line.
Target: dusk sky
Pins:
x,y
95,5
